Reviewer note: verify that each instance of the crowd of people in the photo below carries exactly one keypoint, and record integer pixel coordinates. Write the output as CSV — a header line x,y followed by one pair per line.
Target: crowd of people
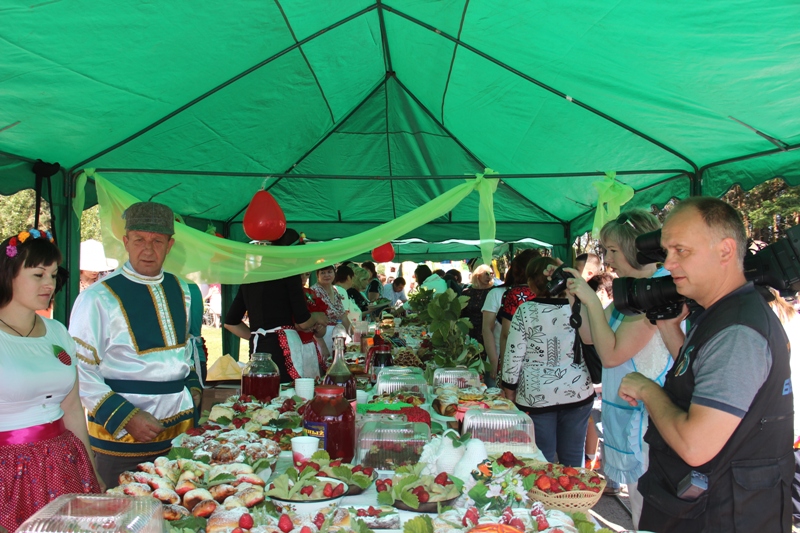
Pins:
x,y
705,395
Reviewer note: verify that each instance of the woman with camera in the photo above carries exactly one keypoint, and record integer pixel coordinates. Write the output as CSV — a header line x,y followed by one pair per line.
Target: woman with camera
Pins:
x,y
625,344
539,373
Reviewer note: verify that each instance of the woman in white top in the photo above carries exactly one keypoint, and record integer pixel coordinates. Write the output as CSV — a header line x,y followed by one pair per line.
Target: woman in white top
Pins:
x,y
44,445
625,344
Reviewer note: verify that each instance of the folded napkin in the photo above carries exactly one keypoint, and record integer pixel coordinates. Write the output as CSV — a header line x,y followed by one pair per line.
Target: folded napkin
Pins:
x,y
225,368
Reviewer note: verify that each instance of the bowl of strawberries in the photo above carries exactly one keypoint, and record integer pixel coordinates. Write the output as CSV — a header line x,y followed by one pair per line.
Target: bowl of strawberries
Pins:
x,y
410,490
305,493
565,488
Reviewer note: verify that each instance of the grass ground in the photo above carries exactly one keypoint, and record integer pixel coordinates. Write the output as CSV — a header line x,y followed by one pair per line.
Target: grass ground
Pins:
x,y
213,337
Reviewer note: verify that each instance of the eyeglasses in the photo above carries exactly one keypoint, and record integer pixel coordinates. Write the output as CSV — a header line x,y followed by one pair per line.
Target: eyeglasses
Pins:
x,y
625,219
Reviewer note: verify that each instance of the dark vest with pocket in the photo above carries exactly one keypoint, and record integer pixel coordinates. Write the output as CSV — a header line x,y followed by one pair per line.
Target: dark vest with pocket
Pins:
x,y
749,480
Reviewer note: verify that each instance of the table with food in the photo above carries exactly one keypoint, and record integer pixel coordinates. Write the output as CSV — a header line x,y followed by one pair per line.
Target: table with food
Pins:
x,y
413,452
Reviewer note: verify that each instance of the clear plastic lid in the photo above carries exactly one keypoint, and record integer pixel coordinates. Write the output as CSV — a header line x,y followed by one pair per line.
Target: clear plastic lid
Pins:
x,y
102,513
401,379
501,430
386,445
361,420
461,376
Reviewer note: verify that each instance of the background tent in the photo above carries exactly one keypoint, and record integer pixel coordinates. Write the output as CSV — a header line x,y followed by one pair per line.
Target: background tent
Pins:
x,y
357,111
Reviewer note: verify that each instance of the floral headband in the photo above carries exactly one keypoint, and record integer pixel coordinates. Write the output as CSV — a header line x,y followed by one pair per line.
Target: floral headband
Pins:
x,y
11,249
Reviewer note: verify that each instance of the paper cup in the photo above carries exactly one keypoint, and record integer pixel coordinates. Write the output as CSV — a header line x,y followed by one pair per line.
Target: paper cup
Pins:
x,y
302,450
304,387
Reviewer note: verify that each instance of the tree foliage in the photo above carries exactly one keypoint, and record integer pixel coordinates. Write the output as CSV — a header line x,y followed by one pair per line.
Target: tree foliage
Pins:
x,y
19,214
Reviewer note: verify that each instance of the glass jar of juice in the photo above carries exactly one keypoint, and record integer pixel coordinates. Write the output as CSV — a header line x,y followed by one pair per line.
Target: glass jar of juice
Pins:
x,y
261,378
330,418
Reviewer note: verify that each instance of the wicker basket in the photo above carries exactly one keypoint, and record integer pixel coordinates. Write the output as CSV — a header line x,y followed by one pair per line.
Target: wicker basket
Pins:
x,y
572,501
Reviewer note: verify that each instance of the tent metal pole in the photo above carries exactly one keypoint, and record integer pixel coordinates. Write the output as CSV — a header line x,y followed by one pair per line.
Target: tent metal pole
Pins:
x,y
286,175
453,58
384,40
544,86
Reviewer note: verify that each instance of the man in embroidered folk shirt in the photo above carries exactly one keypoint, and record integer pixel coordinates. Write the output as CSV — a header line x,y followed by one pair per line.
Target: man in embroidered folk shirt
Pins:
x,y
137,379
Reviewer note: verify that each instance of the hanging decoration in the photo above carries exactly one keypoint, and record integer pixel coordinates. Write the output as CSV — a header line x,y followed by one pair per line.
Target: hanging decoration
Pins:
x,y
383,253
611,195
264,219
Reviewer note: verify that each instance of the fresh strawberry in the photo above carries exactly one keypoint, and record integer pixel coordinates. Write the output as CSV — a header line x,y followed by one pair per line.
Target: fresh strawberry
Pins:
x,y
64,358
525,471
368,471
388,483
361,512
338,462
237,530
543,483
470,517
541,522
285,523
338,490
422,494
565,482
537,509
357,468
308,490
313,465
380,486
443,479
194,432
570,471
245,398
517,523
246,521
318,520
327,490
581,485
373,512
305,529
594,480
239,408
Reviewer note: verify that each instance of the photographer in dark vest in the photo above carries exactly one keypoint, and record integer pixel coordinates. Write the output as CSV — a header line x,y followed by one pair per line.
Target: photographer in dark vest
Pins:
x,y
721,428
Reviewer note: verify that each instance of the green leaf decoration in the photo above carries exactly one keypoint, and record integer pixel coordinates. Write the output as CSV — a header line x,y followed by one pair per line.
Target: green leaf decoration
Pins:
x,y
385,497
261,464
180,453
478,493
192,523
219,479
529,481
419,524
290,422
360,527
409,499
223,421
321,455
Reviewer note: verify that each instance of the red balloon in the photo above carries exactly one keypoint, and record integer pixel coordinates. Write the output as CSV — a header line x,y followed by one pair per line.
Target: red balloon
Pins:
x,y
383,253
264,219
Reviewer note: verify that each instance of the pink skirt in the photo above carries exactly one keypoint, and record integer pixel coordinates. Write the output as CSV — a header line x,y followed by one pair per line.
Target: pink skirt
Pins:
x,y
34,474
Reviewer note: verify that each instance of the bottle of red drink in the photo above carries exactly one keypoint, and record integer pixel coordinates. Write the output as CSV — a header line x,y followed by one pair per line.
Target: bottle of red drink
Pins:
x,y
330,418
261,378
338,373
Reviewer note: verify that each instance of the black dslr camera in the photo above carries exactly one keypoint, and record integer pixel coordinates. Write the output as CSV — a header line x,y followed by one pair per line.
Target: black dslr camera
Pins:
x,y
558,281
775,266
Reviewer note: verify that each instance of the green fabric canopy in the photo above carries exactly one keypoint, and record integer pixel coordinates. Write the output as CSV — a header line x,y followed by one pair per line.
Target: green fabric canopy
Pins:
x,y
355,112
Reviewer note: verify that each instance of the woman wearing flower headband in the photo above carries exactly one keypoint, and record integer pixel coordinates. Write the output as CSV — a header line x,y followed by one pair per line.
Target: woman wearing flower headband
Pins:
x,y
44,445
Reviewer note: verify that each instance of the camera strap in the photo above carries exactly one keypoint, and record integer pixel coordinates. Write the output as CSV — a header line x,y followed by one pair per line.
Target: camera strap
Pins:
x,y
575,322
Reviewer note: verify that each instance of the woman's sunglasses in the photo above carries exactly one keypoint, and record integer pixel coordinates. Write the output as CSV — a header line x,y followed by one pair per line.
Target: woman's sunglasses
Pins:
x,y
625,219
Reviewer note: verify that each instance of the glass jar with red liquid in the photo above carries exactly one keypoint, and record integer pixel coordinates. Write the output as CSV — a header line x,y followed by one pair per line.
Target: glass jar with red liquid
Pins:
x,y
261,378
330,418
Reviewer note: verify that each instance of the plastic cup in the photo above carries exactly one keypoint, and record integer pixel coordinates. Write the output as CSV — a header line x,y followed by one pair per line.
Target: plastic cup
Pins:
x,y
302,450
304,387
361,396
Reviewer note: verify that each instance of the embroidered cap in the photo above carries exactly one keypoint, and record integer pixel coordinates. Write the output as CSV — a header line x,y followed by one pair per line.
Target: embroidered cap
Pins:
x,y
149,216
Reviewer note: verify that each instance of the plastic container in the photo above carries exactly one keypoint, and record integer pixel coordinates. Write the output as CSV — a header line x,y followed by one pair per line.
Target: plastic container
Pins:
x,y
361,420
330,418
501,430
386,445
261,378
100,513
401,379
461,376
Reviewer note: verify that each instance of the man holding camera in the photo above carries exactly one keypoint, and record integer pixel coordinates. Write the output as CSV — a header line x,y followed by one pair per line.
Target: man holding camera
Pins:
x,y
721,432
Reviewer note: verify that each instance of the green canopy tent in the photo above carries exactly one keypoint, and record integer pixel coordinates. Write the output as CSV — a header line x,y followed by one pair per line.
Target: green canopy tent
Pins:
x,y
355,112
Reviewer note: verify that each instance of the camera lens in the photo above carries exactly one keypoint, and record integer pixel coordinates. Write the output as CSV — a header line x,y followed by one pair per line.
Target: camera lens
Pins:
x,y
634,296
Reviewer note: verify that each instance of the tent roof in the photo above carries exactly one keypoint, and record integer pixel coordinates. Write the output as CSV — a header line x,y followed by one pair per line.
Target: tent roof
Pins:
x,y
201,103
